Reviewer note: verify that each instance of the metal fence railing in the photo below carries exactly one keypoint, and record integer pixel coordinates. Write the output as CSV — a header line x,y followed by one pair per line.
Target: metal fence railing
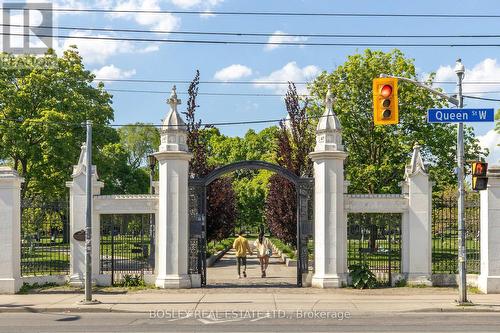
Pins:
x,y
445,234
44,237
375,240
127,245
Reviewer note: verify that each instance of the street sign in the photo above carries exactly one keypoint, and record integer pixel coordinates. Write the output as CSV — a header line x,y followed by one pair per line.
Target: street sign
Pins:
x,y
460,115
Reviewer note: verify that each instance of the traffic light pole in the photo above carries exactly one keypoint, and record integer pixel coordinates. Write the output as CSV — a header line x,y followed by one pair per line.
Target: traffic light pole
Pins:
x,y
458,102
462,268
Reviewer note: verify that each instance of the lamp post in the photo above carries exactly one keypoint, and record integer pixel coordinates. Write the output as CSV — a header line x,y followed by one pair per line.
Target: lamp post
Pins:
x,y
152,165
462,269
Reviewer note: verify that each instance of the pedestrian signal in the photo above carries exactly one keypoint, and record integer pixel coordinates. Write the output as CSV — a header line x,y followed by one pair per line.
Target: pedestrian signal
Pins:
x,y
479,179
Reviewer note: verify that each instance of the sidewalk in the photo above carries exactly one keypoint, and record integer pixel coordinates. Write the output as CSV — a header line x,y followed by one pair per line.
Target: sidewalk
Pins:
x,y
254,299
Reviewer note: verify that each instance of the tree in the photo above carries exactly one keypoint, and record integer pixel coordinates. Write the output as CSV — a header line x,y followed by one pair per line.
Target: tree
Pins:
x,y
378,154
221,201
294,142
43,102
140,140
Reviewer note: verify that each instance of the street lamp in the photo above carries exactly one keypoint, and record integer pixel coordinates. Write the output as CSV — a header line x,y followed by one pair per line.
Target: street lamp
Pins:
x,y
462,268
152,165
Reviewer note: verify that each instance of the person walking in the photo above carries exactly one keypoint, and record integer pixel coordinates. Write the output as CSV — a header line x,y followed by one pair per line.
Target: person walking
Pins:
x,y
242,248
264,251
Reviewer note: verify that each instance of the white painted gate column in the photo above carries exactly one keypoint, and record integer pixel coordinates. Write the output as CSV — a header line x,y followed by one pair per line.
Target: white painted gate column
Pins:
x,y
10,230
77,207
330,248
489,279
416,229
172,224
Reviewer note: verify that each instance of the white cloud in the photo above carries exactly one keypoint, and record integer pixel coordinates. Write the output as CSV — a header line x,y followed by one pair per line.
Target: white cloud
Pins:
x,y
491,140
160,21
289,72
281,37
95,51
486,70
196,3
233,72
113,72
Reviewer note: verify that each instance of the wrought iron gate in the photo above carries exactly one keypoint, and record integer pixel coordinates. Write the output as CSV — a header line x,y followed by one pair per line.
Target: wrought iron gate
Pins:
x,y
198,207
305,226
375,240
127,245
197,230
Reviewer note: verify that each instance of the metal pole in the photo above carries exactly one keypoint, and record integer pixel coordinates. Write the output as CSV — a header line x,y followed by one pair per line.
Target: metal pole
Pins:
x,y
88,215
462,269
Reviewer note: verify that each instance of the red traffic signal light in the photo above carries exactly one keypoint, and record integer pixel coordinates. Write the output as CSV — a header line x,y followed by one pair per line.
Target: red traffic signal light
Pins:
x,y
385,101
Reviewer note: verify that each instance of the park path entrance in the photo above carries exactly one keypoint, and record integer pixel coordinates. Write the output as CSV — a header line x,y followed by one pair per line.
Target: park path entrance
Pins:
x,y
198,211
224,273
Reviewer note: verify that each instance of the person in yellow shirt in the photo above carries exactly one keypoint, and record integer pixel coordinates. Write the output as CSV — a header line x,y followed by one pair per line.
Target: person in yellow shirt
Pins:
x,y
242,248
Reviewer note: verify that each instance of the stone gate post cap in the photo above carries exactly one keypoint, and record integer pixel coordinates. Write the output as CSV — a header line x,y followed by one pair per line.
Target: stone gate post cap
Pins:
x,y
173,120
7,172
328,121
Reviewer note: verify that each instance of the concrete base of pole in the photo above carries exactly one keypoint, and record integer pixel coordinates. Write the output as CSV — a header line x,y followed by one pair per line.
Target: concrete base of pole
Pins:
x,y
92,302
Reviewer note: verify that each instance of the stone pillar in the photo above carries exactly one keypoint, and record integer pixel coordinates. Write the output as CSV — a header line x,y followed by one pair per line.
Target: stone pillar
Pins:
x,y
172,224
416,248
489,279
330,223
77,208
10,231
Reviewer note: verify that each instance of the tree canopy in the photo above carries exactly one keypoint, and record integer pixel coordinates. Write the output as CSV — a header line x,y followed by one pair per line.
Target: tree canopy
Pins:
x,y
378,154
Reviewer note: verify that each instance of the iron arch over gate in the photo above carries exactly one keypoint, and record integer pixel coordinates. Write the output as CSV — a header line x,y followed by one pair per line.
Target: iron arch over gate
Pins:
x,y
197,215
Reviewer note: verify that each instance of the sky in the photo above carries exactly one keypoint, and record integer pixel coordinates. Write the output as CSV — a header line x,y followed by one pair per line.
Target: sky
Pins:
x,y
222,63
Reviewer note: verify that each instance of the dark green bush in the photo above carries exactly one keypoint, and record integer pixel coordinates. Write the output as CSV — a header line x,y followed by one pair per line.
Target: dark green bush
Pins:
x,y
362,277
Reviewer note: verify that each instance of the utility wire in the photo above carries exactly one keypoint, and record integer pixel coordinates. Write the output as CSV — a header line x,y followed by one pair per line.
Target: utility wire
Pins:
x,y
252,34
230,42
249,94
260,82
483,98
259,13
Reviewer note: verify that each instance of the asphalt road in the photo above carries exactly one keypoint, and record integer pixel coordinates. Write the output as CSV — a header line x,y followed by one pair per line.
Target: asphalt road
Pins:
x,y
141,322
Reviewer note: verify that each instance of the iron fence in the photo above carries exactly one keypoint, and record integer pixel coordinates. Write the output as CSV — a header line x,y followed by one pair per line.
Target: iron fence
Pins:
x,y
44,237
445,234
375,240
127,245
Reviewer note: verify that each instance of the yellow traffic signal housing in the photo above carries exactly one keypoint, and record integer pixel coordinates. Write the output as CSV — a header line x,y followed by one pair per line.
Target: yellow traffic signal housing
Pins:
x,y
479,179
385,101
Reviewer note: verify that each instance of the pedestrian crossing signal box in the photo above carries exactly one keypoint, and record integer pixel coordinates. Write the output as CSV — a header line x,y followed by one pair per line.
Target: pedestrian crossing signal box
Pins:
x,y
479,179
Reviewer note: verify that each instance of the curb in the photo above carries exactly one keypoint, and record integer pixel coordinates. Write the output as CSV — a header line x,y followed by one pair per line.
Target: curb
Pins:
x,y
468,309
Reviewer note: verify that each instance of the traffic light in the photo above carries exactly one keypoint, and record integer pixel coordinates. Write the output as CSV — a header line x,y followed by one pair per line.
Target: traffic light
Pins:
x,y
385,101
479,179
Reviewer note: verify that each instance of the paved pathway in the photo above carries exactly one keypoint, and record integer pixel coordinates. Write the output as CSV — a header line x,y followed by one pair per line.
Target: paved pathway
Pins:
x,y
224,273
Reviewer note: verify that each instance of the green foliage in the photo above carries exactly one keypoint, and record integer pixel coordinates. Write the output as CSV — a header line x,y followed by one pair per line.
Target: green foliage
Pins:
x,y
41,100
130,280
400,283
497,122
378,154
216,246
294,142
283,247
139,140
362,277
26,288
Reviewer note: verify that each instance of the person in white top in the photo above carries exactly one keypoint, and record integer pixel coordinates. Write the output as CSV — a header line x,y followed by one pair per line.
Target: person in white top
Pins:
x,y
264,251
